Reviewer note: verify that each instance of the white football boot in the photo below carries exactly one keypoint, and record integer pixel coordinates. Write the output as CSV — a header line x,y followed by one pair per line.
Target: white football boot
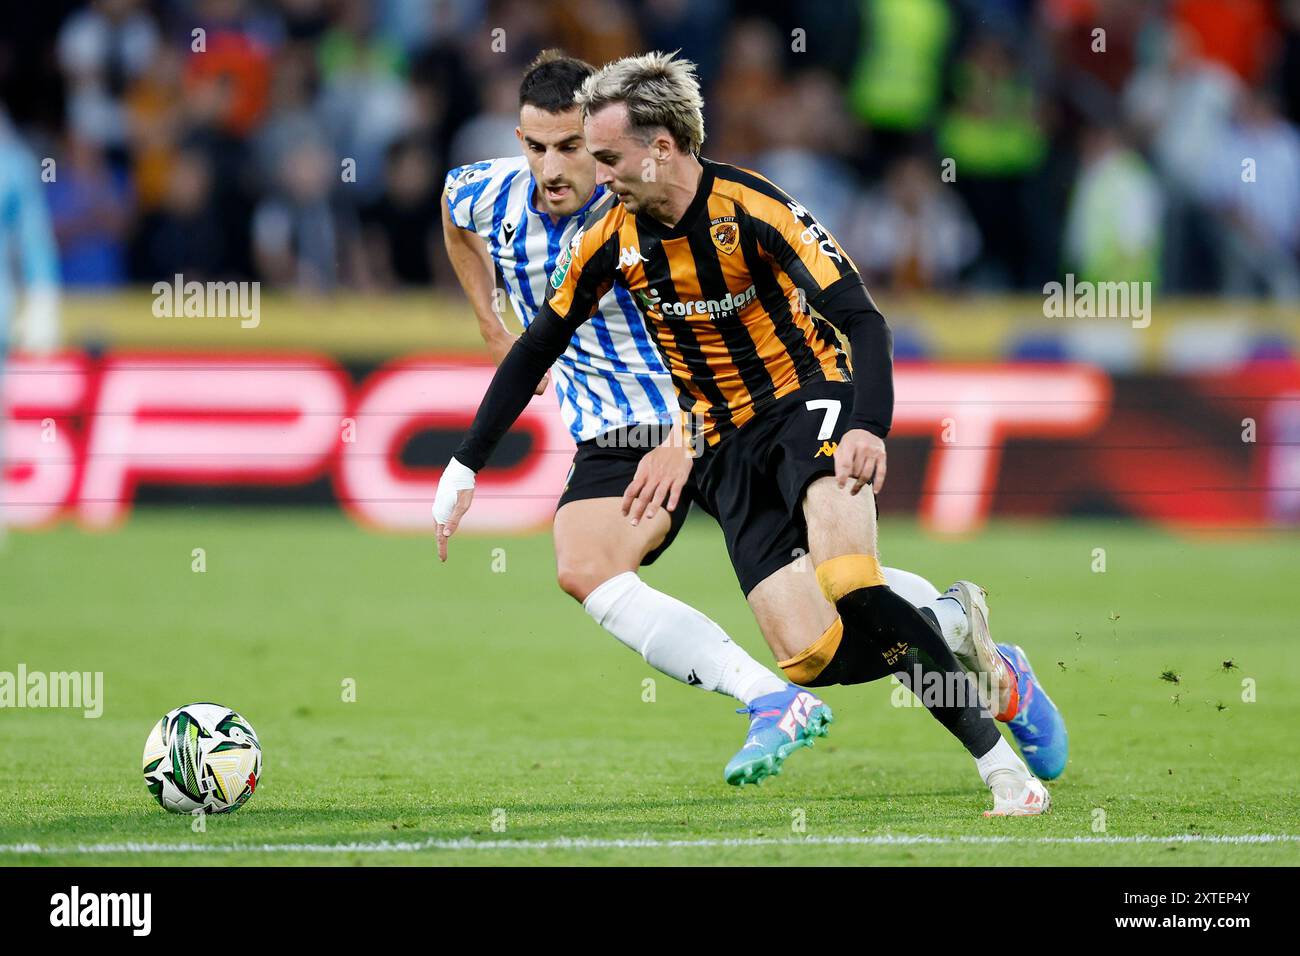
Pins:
x,y
990,668
1030,801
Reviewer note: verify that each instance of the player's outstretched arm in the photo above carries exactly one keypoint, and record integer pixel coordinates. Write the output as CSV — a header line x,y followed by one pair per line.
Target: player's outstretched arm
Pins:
x,y
509,394
583,273
860,455
815,263
473,266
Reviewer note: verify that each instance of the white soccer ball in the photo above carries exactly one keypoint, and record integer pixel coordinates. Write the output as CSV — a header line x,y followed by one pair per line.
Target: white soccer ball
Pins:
x,y
202,758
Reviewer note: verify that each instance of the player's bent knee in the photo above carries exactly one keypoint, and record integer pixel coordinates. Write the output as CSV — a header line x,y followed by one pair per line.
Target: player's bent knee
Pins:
x,y
807,667
584,561
579,579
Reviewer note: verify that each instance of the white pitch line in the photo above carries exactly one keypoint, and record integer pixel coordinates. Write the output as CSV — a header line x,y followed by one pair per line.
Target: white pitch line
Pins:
x,y
597,843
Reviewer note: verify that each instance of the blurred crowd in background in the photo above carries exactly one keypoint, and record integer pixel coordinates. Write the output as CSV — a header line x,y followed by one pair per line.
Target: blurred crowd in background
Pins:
x,y
948,144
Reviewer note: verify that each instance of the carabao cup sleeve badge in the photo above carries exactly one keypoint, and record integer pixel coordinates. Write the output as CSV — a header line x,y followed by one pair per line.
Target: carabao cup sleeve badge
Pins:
x,y
561,268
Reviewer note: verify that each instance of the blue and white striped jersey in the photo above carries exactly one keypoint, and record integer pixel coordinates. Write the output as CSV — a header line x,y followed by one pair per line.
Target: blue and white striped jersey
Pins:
x,y
611,376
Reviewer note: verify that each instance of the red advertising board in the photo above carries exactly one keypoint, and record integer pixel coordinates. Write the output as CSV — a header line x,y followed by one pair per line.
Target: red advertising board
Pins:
x,y
84,435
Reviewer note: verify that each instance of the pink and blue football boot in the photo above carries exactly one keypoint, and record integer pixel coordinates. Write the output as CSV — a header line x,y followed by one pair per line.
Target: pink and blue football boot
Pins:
x,y
1038,726
780,723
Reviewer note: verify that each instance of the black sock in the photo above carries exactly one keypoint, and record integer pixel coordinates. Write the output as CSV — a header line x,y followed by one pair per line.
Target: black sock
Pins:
x,y
883,635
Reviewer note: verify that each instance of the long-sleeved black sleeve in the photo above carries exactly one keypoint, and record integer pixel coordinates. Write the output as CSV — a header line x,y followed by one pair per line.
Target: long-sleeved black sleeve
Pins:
x,y
847,305
533,353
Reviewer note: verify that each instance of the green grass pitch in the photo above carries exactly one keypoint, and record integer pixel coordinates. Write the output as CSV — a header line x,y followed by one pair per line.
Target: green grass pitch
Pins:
x,y
495,723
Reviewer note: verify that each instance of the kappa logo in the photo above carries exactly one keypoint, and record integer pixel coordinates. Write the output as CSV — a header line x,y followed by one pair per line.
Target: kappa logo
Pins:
x,y
629,256
726,234
827,449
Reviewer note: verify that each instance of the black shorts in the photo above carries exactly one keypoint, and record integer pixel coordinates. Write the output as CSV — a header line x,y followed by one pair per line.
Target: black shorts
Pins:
x,y
753,481
605,465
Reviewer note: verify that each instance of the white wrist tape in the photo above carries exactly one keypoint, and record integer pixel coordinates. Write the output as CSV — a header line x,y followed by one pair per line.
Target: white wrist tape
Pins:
x,y
455,479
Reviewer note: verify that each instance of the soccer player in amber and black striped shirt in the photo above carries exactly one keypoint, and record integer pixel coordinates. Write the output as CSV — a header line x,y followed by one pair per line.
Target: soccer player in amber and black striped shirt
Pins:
x,y
728,271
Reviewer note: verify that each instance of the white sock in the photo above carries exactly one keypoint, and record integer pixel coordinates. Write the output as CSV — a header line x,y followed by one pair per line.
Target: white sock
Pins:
x,y
677,639
954,625
919,593
912,588
1002,770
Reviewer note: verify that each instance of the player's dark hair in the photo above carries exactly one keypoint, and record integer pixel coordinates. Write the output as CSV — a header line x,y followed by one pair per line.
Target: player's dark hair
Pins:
x,y
552,81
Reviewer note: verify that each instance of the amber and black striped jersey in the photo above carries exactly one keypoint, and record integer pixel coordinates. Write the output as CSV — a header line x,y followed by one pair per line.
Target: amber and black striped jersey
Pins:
x,y
725,293
729,295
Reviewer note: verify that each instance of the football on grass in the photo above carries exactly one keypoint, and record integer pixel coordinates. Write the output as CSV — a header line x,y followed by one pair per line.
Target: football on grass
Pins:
x,y
202,758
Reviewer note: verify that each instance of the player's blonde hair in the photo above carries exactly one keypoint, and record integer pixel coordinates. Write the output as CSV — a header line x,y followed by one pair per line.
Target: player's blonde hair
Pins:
x,y
660,92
